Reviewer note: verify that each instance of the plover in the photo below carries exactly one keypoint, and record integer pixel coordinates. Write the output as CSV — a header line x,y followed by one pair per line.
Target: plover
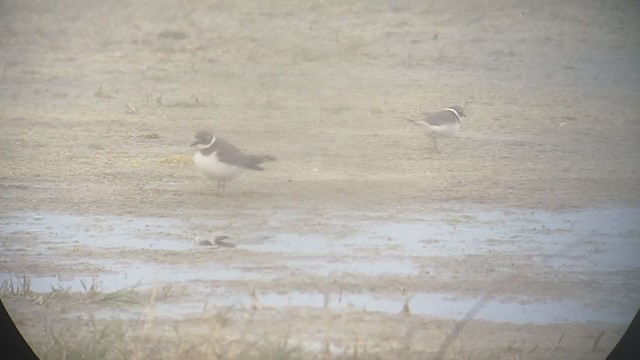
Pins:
x,y
221,161
445,123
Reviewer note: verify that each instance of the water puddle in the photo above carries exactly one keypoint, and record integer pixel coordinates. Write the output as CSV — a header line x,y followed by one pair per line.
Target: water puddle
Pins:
x,y
99,232
599,240
123,275
362,267
438,305
446,306
596,239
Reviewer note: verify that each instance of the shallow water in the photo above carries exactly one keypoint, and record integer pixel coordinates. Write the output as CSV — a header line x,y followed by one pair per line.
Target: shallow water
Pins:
x,y
438,305
363,267
605,240
595,240
100,231
447,306
143,275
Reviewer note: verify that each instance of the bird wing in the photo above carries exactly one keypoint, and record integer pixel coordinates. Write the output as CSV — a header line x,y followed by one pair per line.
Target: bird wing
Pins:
x,y
230,154
440,118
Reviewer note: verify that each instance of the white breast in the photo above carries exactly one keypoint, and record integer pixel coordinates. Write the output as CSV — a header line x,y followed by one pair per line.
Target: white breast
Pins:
x,y
448,130
212,168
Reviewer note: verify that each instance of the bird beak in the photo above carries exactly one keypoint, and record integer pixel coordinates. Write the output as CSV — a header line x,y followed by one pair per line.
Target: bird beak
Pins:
x,y
195,143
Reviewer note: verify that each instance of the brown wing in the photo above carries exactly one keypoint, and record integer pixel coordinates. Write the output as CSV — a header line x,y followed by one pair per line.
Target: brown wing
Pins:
x,y
230,154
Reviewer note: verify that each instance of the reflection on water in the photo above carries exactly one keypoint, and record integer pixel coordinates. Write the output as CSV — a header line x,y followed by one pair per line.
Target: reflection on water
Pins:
x,y
440,305
595,240
447,306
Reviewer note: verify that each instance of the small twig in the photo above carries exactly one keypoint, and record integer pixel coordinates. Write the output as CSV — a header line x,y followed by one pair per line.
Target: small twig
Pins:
x,y
597,341
441,52
558,342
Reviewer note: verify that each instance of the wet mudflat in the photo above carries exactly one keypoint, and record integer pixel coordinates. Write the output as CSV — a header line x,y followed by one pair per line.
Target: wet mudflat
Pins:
x,y
404,261
358,241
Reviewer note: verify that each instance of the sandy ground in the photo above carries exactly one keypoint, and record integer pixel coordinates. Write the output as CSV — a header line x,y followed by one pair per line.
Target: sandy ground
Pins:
x,y
99,102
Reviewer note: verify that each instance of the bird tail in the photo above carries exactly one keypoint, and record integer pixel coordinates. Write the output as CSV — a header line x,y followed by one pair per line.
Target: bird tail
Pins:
x,y
255,161
411,120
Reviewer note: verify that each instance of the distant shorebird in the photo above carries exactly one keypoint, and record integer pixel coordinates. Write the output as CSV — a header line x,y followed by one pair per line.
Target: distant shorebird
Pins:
x,y
444,124
221,161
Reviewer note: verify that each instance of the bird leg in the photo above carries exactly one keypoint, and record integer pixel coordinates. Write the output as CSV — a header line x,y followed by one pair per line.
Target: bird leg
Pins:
x,y
435,145
221,185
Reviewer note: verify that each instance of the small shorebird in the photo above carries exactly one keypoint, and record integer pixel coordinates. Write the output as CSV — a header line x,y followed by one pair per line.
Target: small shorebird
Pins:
x,y
443,124
219,160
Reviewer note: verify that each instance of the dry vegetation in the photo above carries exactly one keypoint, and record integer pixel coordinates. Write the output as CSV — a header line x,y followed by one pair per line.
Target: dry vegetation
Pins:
x,y
70,330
